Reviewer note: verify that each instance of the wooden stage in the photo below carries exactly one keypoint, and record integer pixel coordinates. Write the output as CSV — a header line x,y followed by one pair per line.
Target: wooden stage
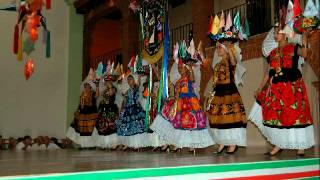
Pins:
x,y
72,160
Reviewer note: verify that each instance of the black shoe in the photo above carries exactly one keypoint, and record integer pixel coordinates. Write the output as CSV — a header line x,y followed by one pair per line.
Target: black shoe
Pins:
x,y
274,154
166,149
301,154
156,149
232,152
221,151
176,150
192,151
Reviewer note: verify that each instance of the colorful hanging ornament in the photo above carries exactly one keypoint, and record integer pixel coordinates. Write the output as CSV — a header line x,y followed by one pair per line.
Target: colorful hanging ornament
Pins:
x,y
30,17
28,69
16,39
48,44
20,53
48,4
33,34
28,46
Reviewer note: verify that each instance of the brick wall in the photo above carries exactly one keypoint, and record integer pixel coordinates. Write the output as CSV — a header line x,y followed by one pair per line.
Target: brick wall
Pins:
x,y
200,17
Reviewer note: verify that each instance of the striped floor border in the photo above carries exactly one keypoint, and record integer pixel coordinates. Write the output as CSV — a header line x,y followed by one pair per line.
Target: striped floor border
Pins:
x,y
284,169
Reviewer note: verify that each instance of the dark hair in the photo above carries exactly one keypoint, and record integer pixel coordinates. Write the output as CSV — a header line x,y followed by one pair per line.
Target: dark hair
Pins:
x,y
26,137
20,139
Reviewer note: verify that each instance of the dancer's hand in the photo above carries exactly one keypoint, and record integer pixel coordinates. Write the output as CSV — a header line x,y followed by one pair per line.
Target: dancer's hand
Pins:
x,y
257,92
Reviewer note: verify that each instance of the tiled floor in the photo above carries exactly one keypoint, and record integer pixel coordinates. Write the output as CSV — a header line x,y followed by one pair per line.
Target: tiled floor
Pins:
x,y
43,162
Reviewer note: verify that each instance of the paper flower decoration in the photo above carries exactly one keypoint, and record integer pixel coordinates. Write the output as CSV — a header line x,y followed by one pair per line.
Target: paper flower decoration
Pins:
x,y
28,69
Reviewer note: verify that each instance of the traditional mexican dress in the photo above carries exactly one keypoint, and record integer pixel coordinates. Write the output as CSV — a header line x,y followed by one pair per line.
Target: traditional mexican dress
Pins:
x,y
284,117
130,126
227,117
182,122
83,125
106,123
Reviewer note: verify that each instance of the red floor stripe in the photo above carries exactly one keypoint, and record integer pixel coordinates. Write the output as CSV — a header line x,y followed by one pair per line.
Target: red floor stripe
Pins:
x,y
279,176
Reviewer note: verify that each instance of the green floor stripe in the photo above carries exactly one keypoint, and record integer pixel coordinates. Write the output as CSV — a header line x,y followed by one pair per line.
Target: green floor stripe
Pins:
x,y
171,171
311,178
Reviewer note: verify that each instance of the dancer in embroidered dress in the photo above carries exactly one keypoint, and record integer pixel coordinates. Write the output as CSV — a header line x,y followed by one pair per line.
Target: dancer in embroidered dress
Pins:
x,y
83,125
108,113
225,109
130,126
283,112
182,122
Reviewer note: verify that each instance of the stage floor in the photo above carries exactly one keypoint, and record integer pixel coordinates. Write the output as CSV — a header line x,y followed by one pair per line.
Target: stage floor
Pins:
x,y
67,161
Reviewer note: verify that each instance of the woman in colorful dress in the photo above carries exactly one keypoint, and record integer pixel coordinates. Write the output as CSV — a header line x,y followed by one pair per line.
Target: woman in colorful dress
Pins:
x,y
225,109
130,126
284,116
108,115
83,125
183,122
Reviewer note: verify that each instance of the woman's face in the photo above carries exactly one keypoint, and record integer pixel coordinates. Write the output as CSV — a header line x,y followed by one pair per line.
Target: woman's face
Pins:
x,y
181,70
279,36
108,84
87,87
221,50
131,81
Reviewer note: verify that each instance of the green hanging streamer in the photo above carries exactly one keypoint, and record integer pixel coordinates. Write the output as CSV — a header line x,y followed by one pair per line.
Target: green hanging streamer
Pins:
x,y
48,48
160,91
146,120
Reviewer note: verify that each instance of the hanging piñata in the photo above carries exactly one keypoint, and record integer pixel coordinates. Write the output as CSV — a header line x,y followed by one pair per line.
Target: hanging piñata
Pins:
x,y
26,31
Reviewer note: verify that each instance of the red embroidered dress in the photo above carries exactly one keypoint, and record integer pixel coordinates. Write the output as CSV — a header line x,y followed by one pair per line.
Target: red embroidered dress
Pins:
x,y
285,102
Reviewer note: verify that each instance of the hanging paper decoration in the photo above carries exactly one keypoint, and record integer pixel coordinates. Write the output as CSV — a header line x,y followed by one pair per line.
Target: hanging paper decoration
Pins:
x,y
28,46
48,44
30,19
20,53
152,14
16,39
48,4
28,69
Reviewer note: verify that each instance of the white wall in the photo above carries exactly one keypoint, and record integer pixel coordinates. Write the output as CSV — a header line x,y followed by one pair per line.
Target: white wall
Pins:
x,y
39,105
252,78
